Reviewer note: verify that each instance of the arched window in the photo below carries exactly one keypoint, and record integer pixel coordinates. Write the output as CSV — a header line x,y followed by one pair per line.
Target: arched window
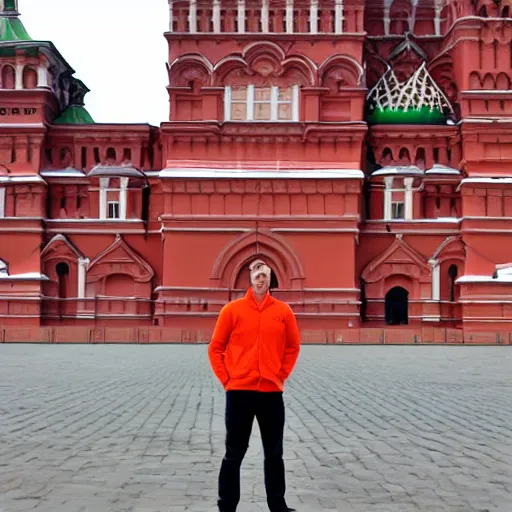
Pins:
x,y
8,77
397,306
62,270
452,274
29,78
505,13
483,12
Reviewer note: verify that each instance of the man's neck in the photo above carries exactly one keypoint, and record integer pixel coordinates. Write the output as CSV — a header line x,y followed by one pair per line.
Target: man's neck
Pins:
x,y
258,297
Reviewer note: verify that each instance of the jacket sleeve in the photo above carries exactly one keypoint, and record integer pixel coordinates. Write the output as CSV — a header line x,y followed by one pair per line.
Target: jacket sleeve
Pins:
x,y
217,346
292,347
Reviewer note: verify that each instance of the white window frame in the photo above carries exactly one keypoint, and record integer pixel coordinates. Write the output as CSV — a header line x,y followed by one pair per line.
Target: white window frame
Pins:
x,y
2,202
122,201
274,105
114,204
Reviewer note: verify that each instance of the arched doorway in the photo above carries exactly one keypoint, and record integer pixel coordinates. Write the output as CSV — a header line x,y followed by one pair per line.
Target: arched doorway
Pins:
x,y
397,306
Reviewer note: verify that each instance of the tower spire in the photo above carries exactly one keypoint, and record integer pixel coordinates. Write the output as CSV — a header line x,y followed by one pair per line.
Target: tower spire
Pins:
x,y
11,27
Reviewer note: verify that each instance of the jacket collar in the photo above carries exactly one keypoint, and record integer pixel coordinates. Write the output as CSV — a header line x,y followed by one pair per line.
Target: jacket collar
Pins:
x,y
251,299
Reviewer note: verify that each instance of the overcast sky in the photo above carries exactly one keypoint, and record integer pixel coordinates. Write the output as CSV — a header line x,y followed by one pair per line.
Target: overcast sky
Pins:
x,y
117,49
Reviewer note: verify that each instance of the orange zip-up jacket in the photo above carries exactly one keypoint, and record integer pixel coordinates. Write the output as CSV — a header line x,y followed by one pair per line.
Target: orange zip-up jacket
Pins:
x,y
254,346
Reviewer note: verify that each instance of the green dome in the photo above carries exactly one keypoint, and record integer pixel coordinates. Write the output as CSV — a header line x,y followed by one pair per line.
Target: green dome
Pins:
x,y
12,29
75,114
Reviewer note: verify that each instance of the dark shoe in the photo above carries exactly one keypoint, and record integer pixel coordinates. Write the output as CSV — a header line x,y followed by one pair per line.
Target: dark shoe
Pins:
x,y
285,509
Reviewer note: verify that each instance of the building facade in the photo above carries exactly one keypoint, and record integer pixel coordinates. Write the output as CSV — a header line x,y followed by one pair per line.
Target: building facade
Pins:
x,y
364,149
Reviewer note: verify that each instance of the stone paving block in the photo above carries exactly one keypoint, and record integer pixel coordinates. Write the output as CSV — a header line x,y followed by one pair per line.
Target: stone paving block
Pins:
x,y
111,428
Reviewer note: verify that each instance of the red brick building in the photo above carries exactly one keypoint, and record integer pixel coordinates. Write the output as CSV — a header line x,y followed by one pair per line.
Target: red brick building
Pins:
x,y
364,149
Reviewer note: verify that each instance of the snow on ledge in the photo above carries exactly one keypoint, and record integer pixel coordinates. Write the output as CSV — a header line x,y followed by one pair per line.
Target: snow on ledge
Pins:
x,y
29,276
497,181
70,172
261,174
21,179
484,279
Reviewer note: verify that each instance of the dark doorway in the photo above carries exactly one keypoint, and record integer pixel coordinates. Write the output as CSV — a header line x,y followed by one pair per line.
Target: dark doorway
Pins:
x,y
397,305
62,270
452,274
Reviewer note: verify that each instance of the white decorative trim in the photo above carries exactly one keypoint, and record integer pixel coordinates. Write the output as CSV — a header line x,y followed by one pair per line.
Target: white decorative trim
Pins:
x,y
408,199
289,16
264,17
216,16
388,195
192,16
436,280
103,198
19,76
2,202
313,17
250,102
82,266
42,76
227,103
123,198
171,19
295,102
338,16
241,16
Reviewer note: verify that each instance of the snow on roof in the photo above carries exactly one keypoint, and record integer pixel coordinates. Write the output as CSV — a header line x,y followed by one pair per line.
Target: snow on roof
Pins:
x,y
261,174
29,276
399,169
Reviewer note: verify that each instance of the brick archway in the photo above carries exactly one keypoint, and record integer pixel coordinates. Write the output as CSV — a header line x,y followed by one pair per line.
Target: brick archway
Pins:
x,y
263,244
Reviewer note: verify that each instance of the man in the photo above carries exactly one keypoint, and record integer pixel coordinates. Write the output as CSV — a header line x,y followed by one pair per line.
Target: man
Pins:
x,y
253,350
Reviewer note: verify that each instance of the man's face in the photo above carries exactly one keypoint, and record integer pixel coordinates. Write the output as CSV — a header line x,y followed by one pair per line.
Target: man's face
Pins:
x,y
261,283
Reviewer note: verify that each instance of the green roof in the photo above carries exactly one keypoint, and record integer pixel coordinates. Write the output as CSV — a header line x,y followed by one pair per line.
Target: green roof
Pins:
x,y
423,115
12,29
75,114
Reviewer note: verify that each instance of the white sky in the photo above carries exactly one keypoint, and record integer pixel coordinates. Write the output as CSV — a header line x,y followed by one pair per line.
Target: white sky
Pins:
x,y
116,47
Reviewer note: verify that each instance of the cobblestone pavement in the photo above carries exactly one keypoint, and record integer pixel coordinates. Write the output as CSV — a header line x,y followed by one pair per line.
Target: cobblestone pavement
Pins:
x,y
140,429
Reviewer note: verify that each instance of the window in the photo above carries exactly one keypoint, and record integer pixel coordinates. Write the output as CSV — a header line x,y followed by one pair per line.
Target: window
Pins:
x,y
113,210
250,103
397,210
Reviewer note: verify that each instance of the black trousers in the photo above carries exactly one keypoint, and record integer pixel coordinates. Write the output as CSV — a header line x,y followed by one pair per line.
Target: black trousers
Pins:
x,y
241,409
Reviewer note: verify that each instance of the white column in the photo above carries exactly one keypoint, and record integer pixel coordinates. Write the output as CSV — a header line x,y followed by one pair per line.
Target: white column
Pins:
x,y
437,19
192,17
264,16
313,17
2,202
250,103
295,102
82,265
436,279
289,16
216,16
171,19
227,103
274,97
241,16
338,17
103,197
408,199
42,76
388,182
386,20
123,198
19,76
